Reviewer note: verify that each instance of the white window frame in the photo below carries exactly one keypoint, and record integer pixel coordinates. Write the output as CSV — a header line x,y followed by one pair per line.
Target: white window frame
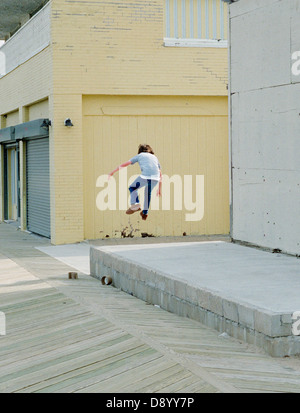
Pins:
x,y
171,42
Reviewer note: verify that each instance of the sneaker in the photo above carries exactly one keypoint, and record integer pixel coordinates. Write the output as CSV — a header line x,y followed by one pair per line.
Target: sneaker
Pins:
x,y
133,209
144,216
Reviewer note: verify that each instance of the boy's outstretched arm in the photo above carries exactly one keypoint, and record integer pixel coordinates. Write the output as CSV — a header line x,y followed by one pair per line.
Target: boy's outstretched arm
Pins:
x,y
123,165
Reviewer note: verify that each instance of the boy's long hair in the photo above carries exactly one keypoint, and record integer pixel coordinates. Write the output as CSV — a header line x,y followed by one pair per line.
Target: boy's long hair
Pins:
x,y
145,148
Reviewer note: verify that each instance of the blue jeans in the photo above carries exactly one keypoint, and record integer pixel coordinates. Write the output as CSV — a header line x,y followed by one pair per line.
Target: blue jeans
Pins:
x,y
140,182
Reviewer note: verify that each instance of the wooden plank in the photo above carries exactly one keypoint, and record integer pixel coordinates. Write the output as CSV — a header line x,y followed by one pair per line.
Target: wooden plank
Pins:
x,y
78,365
85,337
99,371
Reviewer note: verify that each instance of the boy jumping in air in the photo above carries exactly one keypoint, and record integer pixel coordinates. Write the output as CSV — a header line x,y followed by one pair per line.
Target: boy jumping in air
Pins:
x,y
150,176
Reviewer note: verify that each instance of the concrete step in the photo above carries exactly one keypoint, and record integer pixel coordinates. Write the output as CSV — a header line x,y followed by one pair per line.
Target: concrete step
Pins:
x,y
248,293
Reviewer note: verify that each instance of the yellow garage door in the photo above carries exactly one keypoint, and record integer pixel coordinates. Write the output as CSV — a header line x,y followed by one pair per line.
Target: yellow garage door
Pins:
x,y
189,135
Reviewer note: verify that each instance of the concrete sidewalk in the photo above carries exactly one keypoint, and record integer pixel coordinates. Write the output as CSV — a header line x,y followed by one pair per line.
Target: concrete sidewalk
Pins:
x,y
249,293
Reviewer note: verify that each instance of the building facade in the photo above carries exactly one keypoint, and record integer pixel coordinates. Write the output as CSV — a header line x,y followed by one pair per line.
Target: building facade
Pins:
x,y
83,84
265,127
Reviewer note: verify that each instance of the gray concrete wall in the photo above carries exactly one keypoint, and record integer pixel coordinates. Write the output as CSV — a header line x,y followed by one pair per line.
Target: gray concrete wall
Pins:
x,y
265,123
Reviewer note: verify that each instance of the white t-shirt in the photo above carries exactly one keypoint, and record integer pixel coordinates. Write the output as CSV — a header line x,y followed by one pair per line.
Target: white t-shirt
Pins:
x,y
150,167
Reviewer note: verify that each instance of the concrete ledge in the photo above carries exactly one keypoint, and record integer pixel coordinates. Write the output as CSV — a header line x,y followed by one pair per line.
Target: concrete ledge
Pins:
x,y
270,330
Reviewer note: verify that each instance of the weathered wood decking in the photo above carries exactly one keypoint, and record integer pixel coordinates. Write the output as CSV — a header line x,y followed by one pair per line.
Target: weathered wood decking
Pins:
x,y
80,336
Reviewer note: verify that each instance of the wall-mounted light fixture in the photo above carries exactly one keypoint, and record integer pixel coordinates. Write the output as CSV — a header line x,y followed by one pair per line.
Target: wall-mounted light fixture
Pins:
x,y
46,123
68,122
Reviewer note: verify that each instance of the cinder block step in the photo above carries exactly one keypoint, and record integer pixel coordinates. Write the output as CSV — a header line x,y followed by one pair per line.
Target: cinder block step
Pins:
x,y
248,293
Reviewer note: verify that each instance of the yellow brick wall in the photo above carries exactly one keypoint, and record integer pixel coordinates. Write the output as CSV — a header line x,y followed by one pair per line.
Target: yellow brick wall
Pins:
x,y
113,47
116,48
11,118
66,170
26,95
28,83
102,48
38,110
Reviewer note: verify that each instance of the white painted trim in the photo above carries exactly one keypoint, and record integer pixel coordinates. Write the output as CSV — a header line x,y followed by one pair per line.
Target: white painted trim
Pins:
x,y
172,42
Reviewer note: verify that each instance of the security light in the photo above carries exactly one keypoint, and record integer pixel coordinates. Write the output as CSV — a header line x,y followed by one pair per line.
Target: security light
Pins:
x,y
68,122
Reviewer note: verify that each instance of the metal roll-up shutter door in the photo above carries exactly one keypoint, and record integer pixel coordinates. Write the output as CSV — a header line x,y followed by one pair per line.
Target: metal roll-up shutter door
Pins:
x,y
38,186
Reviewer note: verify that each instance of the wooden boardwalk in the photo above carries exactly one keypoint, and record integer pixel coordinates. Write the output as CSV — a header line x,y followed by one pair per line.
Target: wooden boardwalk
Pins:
x,y
80,336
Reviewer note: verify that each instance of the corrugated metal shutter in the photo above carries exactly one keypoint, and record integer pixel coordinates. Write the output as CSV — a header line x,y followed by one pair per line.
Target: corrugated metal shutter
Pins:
x,y
38,186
